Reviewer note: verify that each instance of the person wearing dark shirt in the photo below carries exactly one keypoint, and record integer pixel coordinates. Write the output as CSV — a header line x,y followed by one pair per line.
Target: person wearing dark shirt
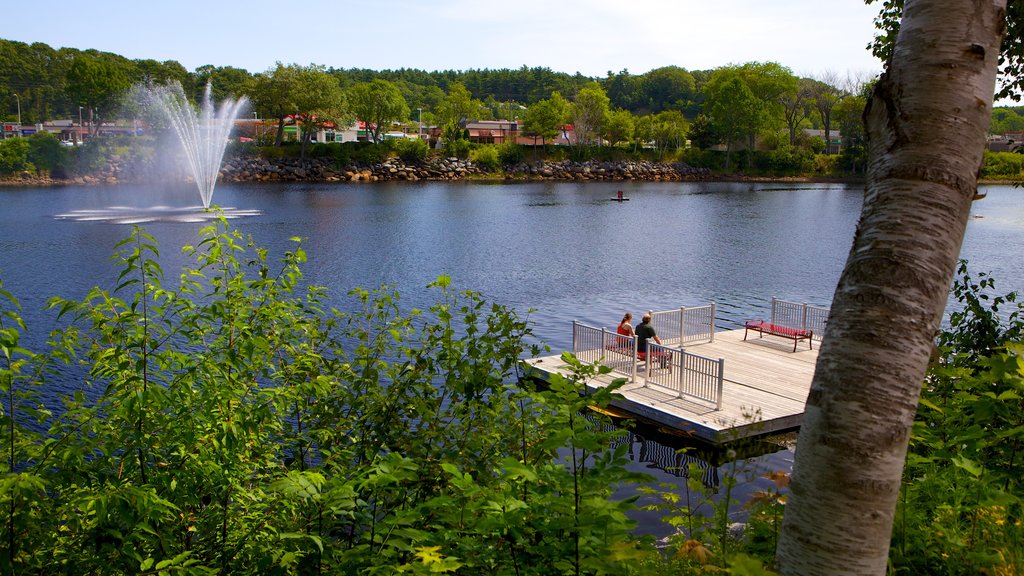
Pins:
x,y
645,330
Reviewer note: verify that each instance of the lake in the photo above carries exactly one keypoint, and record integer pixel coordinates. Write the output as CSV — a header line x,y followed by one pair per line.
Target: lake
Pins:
x,y
562,249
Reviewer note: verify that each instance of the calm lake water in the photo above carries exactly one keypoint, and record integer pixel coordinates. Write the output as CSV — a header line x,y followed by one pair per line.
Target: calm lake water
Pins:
x,y
562,249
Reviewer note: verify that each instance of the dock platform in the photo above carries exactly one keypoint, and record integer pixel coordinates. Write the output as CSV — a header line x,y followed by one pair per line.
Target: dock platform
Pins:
x,y
765,388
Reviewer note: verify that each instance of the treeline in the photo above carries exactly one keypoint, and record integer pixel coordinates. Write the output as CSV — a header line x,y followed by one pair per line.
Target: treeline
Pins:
x,y
663,108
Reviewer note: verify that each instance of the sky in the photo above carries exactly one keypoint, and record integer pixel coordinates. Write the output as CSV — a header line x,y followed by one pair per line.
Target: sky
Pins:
x,y
592,37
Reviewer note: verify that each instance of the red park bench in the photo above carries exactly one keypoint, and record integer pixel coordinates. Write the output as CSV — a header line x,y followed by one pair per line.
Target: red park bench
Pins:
x,y
794,334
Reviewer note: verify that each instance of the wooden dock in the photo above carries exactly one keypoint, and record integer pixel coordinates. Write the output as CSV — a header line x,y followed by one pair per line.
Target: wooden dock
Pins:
x,y
765,388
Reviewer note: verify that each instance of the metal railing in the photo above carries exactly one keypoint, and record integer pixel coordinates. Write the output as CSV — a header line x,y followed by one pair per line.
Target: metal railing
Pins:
x,y
686,324
801,316
618,352
687,374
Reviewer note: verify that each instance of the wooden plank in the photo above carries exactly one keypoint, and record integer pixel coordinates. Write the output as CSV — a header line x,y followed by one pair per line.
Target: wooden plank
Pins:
x,y
765,388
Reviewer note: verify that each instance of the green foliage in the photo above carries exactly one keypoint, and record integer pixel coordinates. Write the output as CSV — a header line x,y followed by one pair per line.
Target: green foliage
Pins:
x,y
458,147
14,155
1011,54
45,152
230,423
510,153
1002,165
486,157
369,154
785,160
377,104
411,149
961,507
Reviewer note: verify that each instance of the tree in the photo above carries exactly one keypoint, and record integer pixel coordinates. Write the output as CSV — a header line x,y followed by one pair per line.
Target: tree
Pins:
x,y
546,118
670,129
926,124
377,104
319,101
96,81
796,106
667,88
624,90
459,106
227,81
619,126
734,110
1011,54
826,93
160,72
747,99
588,112
702,133
306,93
272,95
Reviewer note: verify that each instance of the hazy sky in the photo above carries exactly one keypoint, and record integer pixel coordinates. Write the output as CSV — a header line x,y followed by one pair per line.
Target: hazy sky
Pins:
x,y
586,36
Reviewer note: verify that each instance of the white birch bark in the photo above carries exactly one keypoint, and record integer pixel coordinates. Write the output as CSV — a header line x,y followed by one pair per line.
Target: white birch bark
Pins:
x,y
926,125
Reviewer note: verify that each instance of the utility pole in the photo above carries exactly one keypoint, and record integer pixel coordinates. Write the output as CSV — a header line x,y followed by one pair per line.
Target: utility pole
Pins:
x,y
16,98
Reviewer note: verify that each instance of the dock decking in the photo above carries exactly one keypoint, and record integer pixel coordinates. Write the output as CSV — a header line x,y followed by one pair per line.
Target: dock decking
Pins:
x,y
765,388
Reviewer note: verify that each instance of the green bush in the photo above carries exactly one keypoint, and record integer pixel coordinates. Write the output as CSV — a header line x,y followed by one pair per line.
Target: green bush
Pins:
x,y
369,154
48,154
962,498
411,150
486,158
1002,165
233,423
458,148
785,160
510,153
14,154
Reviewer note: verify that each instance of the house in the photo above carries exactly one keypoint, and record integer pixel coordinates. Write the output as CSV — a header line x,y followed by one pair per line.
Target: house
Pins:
x,y
1007,142
834,144
492,131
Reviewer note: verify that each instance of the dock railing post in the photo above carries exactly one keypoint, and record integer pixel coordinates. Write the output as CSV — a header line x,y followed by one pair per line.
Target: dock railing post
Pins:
x,y
682,325
573,336
632,369
721,383
711,328
803,319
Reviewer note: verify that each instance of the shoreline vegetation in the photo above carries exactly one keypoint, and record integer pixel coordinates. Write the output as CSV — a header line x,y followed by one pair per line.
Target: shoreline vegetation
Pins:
x,y
135,168
128,161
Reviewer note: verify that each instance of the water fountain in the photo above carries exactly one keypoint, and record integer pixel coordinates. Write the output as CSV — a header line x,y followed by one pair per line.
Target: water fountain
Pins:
x,y
203,135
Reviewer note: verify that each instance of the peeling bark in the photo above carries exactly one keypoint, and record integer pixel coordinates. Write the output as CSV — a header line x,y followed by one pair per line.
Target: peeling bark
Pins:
x,y
926,125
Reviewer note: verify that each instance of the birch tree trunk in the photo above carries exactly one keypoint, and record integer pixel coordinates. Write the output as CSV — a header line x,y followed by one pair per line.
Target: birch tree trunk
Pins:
x,y
926,125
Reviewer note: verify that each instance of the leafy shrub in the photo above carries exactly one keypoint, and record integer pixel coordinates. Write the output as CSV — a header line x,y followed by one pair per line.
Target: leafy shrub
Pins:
x,y
785,160
232,424
47,153
963,499
510,153
368,154
1002,165
14,155
411,150
486,157
458,148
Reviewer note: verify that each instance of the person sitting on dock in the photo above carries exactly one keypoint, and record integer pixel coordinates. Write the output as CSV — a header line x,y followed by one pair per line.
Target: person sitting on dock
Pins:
x,y
644,331
625,328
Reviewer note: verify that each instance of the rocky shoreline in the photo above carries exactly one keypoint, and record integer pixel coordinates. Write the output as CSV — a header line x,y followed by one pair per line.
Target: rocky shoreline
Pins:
x,y
254,169
324,170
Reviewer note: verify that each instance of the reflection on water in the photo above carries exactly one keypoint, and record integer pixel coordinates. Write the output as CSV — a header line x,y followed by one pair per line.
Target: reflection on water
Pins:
x,y
144,215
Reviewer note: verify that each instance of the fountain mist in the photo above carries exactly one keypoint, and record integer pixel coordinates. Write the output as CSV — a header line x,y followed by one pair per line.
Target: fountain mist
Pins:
x,y
203,134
